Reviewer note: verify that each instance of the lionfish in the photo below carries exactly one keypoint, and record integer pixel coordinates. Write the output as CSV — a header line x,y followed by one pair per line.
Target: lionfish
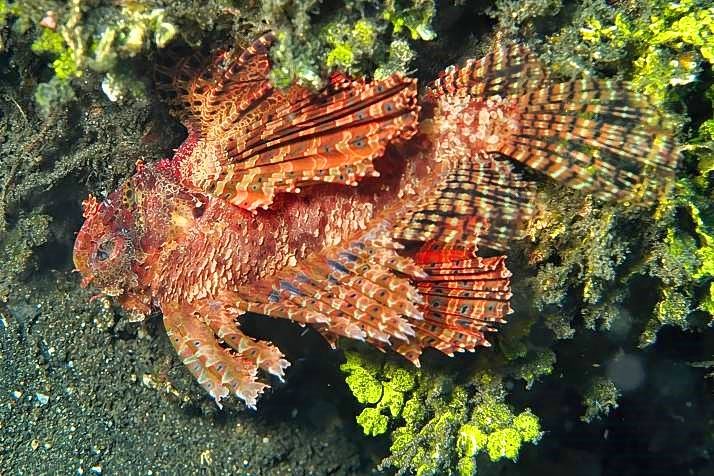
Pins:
x,y
357,210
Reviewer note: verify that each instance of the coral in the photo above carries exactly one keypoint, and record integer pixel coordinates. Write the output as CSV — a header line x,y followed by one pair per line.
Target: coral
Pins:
x,y
599,398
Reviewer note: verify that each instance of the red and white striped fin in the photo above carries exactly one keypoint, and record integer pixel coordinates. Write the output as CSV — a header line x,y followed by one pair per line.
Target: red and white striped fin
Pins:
x,y
255,141
482,201
218,370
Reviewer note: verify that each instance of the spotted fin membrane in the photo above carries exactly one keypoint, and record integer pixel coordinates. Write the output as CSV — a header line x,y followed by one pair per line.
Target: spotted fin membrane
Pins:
x,y
252,141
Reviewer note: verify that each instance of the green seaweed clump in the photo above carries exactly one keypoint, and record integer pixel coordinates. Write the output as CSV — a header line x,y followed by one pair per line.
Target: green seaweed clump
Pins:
x,y
437,427
414,16
366,37
82,40
447,427
350,46
382,387
77,40
493,427
684,260
661,43
599,398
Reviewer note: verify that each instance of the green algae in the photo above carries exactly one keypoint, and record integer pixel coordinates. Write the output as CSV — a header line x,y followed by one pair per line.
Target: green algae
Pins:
x,y
437,426
600,397
382,386
366,37
84,38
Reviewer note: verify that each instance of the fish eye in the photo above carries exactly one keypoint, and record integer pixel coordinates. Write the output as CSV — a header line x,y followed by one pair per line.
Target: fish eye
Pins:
x,y
104,250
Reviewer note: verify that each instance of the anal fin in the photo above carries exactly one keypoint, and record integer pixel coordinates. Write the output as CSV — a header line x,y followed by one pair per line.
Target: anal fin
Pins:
x,y
464,296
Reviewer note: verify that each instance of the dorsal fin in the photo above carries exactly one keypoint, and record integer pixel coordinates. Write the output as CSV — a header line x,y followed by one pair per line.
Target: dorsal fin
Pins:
x,y
253,141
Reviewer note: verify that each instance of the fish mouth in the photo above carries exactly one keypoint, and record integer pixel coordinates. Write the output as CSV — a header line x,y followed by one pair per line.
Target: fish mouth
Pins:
x,y
81,267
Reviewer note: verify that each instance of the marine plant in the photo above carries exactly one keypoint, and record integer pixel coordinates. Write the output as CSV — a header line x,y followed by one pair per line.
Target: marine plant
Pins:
x,y
365,37
666,49
79,38
438,424
382,386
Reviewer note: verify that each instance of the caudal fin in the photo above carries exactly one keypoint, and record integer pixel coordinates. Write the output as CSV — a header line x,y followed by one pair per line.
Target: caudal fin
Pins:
x,y
592,135
481,201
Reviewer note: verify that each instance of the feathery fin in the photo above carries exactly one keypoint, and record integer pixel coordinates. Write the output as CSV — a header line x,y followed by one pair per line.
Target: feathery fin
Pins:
x,y
592,135
481,201
464,295
361,291
218,370
255,141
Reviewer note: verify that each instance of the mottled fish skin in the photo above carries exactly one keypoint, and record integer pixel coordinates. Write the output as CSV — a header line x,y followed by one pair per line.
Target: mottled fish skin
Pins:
x,y
339,211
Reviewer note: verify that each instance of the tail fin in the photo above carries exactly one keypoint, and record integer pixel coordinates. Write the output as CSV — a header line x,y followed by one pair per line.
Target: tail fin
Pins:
x,y
591,135
596,136
479,202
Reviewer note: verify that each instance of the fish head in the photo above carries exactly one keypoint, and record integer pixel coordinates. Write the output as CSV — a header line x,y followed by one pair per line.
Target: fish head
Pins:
x,y
107,251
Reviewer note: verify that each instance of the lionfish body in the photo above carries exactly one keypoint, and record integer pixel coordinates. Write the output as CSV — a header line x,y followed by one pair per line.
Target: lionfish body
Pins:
x,y
337,210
